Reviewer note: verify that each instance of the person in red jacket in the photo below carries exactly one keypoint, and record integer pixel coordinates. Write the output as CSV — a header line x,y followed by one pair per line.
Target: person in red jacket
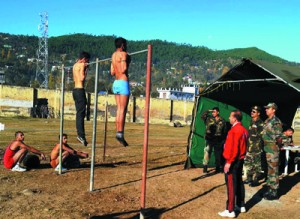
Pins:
x,y
234,154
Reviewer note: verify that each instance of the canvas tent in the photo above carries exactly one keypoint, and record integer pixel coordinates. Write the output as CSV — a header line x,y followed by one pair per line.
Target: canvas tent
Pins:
x,y
247,84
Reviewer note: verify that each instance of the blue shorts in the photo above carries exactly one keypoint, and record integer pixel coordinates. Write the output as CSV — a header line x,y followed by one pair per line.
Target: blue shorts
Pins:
x,y
121,87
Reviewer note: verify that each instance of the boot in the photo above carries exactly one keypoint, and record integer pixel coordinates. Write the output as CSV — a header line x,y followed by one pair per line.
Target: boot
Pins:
x,y
205,169
254,183
272,195
248,180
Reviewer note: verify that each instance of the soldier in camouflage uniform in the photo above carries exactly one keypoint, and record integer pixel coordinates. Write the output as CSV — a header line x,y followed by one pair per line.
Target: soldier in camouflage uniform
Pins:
x,y
272,136
254,148
287,140
215,135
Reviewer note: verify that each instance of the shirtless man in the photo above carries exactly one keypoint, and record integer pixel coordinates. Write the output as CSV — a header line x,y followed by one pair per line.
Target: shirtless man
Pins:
x,y
80,70
119,69
16,151
66,152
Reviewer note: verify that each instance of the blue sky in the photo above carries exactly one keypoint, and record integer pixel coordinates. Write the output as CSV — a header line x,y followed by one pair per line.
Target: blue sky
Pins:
x,y
271,25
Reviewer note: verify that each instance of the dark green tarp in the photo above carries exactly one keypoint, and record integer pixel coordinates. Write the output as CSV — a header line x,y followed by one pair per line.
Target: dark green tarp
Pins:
x,y
196,138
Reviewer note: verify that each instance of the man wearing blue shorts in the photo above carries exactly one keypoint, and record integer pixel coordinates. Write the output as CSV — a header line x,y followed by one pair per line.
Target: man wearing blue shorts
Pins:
x,y
119,69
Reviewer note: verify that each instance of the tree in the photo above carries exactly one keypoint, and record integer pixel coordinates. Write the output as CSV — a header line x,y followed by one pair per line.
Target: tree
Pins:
x,y
51,81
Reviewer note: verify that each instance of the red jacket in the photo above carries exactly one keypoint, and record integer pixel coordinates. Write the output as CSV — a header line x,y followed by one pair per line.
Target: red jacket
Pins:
x,y
236,143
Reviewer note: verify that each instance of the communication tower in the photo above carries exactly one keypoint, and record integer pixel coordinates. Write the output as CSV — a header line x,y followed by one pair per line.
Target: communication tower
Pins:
x,y
42,52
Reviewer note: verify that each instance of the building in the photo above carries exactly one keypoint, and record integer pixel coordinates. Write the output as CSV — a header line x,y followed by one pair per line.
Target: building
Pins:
x,y
187,93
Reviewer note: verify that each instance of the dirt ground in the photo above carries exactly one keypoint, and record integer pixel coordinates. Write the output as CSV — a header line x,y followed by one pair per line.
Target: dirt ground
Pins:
x,y
172,192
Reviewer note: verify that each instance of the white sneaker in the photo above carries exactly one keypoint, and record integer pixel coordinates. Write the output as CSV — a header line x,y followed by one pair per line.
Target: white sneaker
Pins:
x,y
240,209
17,168
62,169
226,213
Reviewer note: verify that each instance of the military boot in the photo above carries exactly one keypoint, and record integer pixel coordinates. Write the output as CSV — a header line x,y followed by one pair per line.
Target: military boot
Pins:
x,y
248,180
254,183
205,169
272,195
266,193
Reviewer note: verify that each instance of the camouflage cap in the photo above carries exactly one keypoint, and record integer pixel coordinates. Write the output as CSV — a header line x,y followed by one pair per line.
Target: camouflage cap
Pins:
x,y
272,105
257,108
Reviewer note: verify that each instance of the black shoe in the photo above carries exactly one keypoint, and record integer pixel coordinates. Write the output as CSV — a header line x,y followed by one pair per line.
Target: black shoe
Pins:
x,y
122,141
268,192
254,183
272,195
205,169
82,140
218,170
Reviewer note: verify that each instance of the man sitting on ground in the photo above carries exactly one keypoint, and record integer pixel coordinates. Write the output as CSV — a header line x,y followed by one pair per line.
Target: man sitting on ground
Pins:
x,y
16,151
67,151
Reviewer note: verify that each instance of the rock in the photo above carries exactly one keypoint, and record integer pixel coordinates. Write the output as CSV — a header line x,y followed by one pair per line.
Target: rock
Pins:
x,y
29,192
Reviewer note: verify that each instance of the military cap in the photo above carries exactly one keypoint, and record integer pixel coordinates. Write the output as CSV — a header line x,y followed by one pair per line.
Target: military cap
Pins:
x,y
272,105
257,108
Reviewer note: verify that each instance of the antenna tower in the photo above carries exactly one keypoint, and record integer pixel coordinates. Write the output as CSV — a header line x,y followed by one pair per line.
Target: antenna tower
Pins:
x,y
42,52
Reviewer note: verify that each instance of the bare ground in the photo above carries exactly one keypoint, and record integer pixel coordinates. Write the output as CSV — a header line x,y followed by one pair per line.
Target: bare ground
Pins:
x,y
172,192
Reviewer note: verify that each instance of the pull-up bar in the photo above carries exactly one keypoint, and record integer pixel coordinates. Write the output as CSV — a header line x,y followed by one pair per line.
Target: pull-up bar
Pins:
x,y
146,122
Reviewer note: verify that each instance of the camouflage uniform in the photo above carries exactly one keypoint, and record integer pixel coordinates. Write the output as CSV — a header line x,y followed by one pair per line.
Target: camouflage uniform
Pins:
x,y
254,149
214,135
272,131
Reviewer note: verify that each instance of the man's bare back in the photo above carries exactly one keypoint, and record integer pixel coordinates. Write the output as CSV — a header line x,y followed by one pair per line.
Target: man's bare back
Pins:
x,y
79,73
119,65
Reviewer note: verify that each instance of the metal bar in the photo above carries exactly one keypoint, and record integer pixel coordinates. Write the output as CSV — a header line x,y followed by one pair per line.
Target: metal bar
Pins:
x,y
94,127
109,59
241,81
105,131
146,131
61,131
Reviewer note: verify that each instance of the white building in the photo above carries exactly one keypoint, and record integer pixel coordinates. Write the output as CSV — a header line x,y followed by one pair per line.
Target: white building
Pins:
x,y
187,93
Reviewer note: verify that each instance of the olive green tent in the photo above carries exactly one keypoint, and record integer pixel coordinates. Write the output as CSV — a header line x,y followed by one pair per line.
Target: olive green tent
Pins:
x,y
249,83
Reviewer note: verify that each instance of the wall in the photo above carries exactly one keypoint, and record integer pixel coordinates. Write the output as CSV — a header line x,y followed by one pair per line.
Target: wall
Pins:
x,y
18,101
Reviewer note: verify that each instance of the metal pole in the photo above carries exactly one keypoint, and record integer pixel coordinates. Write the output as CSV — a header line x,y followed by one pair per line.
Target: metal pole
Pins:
x,y
146,131
105,131
62,102
94,127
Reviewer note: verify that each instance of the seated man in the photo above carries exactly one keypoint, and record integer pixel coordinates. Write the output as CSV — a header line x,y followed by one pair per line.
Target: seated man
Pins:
x,y
67,151
16,151
287,140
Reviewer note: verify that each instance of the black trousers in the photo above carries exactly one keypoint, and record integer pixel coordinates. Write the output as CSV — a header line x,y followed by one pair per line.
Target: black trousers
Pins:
x,y
235,186
80,104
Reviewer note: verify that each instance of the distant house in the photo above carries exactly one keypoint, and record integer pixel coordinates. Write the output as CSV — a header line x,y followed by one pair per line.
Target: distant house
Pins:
x,y
187,93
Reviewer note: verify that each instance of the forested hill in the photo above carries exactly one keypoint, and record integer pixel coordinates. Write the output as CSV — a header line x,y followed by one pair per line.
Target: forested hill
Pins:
x,y
174,64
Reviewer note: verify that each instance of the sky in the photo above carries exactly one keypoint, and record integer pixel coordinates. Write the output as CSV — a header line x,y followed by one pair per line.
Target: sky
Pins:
x,y
270,25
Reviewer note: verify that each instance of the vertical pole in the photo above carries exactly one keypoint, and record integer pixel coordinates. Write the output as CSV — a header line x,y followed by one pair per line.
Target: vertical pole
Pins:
x,y
146,131
171,111
62,102
105,131
94,127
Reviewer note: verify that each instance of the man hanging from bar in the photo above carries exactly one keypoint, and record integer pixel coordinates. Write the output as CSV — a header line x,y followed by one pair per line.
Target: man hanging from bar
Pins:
x,y
119,69
80,70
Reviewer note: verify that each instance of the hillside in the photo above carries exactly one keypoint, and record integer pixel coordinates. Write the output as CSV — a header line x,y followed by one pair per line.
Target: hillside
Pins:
x,y
172,63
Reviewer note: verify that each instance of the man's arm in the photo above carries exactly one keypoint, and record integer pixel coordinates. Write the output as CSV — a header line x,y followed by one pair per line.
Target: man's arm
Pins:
x,y
33,150
81,71
123,62
112,70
